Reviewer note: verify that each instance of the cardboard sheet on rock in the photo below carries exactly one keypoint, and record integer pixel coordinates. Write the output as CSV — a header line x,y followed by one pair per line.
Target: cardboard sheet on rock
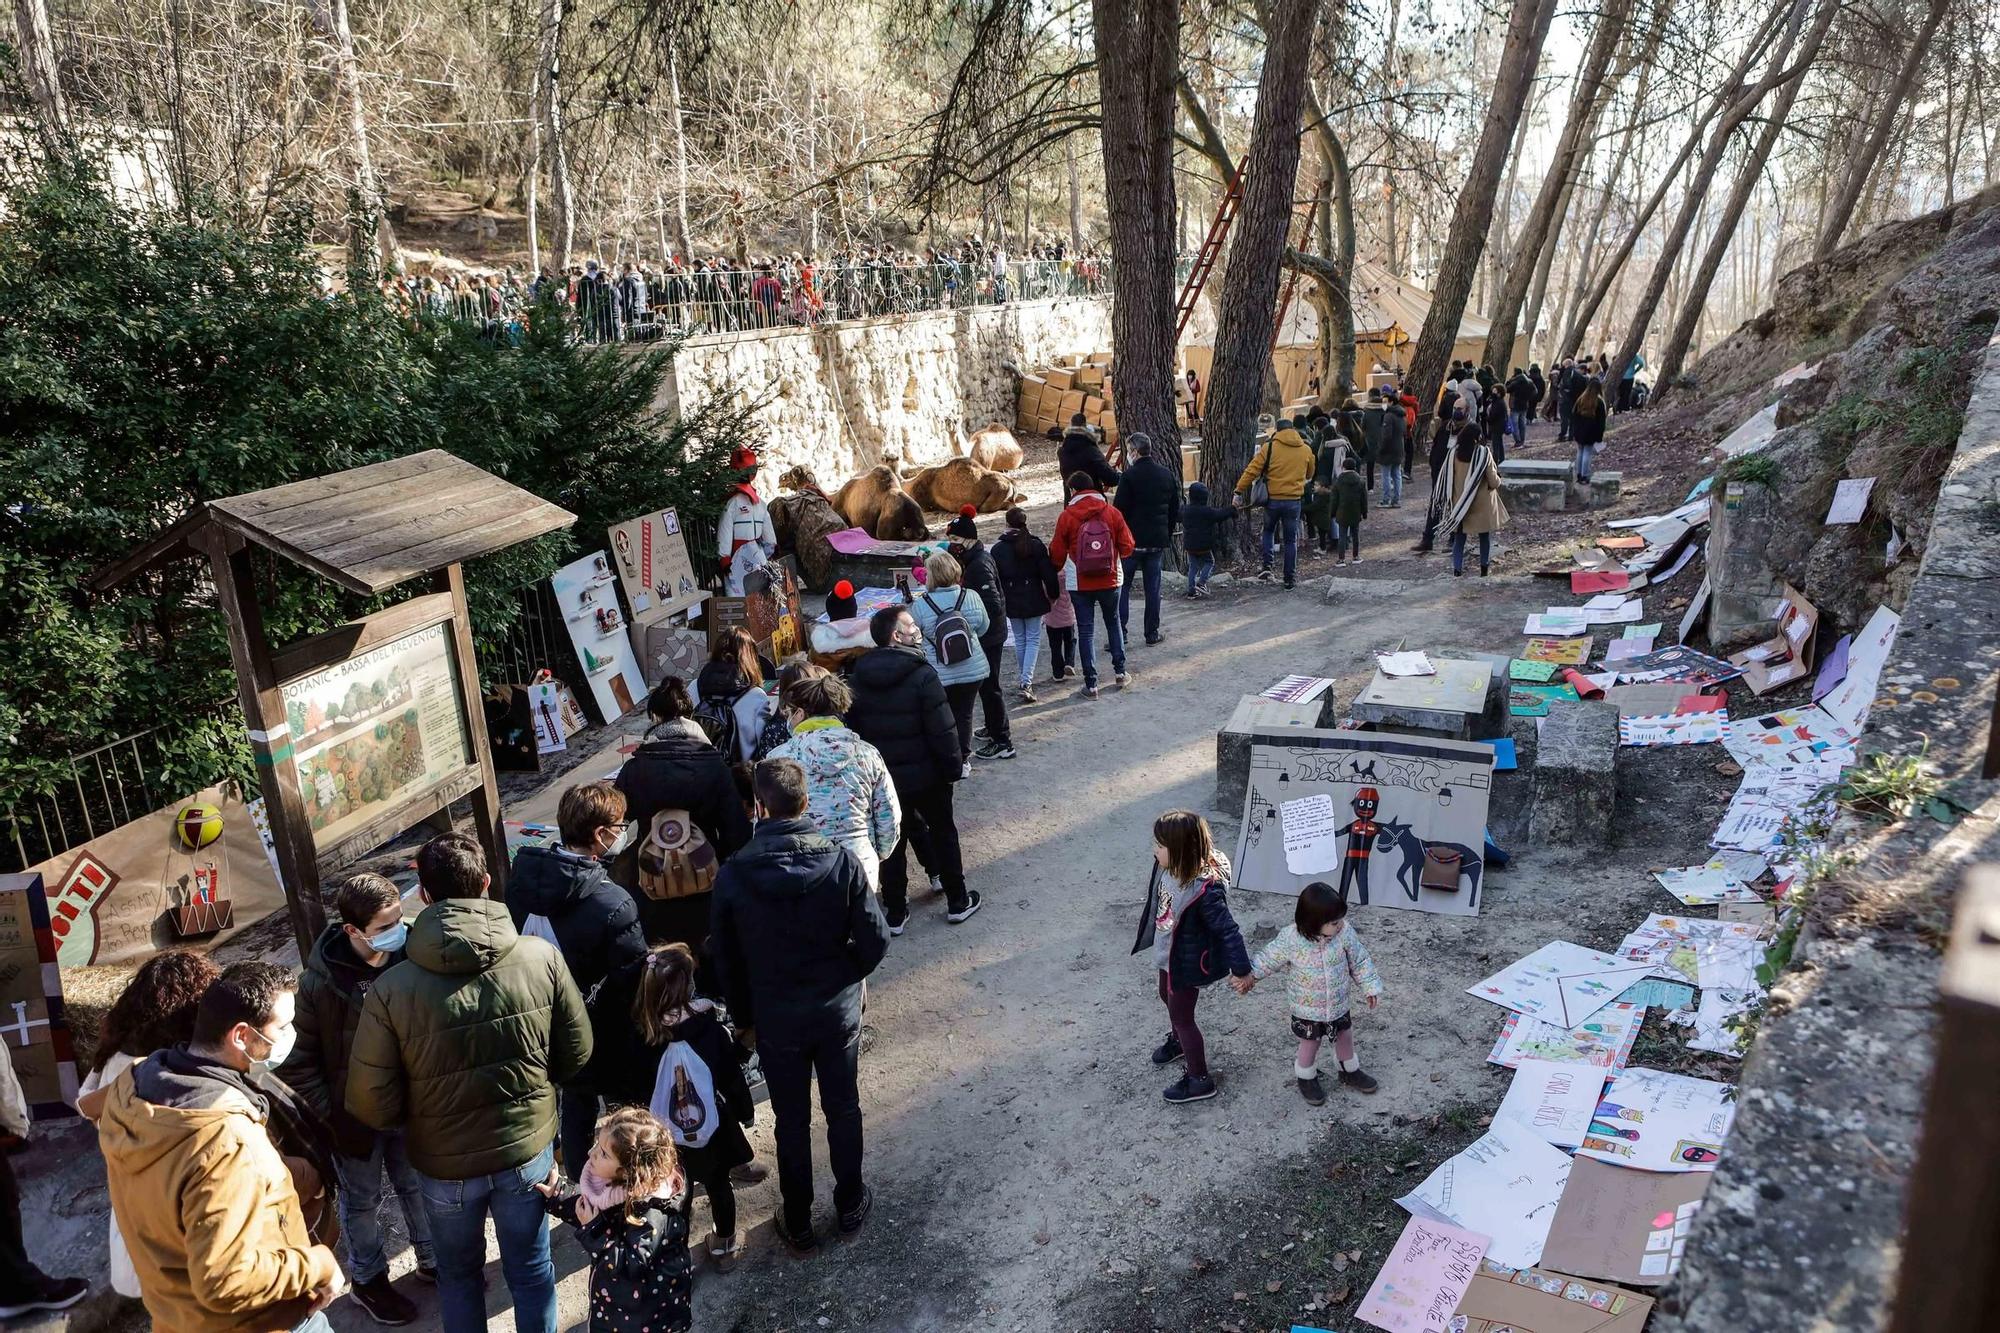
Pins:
x,y
1543,1300
1623,1225
1453,686
1396,810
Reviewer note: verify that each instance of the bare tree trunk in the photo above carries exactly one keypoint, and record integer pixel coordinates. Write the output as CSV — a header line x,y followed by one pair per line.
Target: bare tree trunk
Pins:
x,y
1140,39
1550,201
676,121
1544,265
1695,298
38,69
368,227
534,191
1595,231
1858,171
562,206
1075,195
1335,306
1250,289
1527,28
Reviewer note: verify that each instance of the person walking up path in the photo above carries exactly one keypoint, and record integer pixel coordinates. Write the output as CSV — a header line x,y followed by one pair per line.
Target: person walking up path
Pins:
x,y
1149,498
1030,586
1285,465
1090,546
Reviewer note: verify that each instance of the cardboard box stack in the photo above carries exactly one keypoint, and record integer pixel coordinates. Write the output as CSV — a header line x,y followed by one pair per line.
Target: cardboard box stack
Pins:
x,y
1051,395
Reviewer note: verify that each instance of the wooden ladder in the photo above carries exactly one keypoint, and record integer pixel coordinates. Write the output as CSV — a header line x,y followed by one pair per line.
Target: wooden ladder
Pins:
x,y
1299,241
1211,249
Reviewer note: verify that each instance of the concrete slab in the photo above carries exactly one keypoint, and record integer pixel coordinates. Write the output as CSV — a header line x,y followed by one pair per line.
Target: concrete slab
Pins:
x,y
1449,704
1575,787
1547,496
1599,493
1232,743
1538,469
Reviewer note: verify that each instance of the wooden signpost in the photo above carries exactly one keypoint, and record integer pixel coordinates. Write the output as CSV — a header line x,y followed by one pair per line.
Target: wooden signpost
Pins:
x,y
373,727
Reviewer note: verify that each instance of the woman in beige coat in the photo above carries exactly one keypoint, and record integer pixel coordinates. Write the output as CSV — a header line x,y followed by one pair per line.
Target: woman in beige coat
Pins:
x,y
1471,502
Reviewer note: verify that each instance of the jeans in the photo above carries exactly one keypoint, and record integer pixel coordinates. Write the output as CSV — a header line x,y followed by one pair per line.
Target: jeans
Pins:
x,y
991,704
962,697
1392,486
1088,604
458,1210
20,1279
1027,632
825,1047
1146,562
1180,1017
1062,649
927,816
1585,455
576,1122
1348,539
1283,514
1458,550
361,1201
1517,426
1201,567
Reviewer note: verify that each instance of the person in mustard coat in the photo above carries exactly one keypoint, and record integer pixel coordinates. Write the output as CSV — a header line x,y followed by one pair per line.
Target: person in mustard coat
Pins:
x,y
1286,465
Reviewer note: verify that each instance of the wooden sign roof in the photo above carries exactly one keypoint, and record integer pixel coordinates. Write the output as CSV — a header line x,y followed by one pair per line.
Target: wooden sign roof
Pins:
x,y
368,528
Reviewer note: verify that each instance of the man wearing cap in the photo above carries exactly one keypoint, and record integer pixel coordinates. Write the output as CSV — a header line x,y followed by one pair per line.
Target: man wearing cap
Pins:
x,y
1360,842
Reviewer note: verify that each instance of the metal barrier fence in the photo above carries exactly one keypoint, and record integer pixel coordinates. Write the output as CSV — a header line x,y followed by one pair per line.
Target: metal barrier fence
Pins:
x,y
113,784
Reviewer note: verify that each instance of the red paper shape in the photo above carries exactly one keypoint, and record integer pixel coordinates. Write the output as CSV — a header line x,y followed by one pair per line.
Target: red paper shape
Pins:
x,y
1584,686
1701,703
1599,580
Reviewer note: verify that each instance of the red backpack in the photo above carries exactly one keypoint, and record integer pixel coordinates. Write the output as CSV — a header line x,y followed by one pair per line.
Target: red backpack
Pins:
x,y
1096,552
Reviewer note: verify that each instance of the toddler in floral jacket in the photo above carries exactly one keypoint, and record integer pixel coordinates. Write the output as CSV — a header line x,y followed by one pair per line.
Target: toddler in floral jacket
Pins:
x,y
1326,962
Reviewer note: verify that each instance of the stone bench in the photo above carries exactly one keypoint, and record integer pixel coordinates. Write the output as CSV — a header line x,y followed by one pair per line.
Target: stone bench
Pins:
x,y
1538,469
1600,493
1232,744
1534,493
1465,707
1575,788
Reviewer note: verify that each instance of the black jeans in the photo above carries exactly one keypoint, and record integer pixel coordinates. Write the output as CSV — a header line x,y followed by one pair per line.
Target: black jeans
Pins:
x,y
1062,649
990,702
795,1052
20,1280
925,814
961,697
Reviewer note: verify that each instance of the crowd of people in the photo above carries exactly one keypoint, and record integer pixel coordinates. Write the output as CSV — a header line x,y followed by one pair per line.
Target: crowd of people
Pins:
x,y
642,301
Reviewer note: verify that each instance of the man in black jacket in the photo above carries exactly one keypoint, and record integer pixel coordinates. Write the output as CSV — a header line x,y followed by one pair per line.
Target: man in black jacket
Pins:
x,y
900,709
979,573
796,930
596,923
1149,496
1080,453
1521,395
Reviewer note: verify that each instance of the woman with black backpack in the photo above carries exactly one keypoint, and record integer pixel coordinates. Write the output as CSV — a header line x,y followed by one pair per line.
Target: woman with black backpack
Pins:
x,y
729,698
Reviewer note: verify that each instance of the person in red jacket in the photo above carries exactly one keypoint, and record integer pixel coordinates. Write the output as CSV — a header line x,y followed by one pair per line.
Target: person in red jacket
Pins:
x,y
1090,547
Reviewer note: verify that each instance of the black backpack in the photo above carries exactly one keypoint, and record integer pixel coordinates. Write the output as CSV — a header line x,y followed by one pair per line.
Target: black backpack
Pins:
x,y
951,636
716,716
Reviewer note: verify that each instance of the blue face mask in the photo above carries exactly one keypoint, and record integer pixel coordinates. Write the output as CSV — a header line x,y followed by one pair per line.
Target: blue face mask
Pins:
x,y
391,939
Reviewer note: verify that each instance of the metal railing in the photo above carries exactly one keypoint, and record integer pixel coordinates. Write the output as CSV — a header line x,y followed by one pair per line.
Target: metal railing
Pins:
x,y
103,788
647,307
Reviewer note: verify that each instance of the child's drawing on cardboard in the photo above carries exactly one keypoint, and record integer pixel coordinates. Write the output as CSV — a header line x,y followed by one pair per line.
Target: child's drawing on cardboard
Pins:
x,y
1657,1121
1604,1039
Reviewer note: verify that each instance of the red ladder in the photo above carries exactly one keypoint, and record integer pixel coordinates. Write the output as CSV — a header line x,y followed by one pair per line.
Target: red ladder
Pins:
x,y
1211,249
1299,242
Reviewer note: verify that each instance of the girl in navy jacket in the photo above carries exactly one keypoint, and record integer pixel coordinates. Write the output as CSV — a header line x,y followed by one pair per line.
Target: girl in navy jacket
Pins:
x,y
1194,940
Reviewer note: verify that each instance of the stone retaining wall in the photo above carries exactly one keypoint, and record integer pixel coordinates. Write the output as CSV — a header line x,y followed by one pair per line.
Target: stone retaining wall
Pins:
x,y
840,397
1803,1225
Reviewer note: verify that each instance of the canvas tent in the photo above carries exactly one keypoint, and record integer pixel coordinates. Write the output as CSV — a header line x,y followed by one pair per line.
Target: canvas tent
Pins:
x,y
1389,313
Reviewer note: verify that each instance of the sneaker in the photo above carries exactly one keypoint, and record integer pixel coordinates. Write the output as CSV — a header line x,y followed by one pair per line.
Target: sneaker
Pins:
x,y
981,734
959,915
965,769
1484,571
1154,641
1190,1089
1087,692
749,1173
897,927
995,750
1168,1051
1360,1082
801,1244
725,1251
57,1293
1340,563
1313,1091
1357,559
851,1220
1028,695
382,1302
937,885
1122,679
1264,575
1290,585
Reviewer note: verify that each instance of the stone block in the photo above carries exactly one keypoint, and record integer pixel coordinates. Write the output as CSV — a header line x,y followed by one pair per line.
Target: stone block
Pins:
x,y
1548,496
1538,469
1492,720
1453,704
1600,492
1232,743
1575,790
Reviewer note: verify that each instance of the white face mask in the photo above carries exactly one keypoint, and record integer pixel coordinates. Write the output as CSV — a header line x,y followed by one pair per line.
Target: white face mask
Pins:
x,y
280,1050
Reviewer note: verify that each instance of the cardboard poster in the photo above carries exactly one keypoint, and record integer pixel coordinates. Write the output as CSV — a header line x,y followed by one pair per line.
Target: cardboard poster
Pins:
x,y
1623,1225
1534,700
1531,672
1398,801
1679,664
1555,1100
1787,655
1505,1185
768,611
653,565
586,592
117,898
373,731
32,1019
1560,652
1702,885
545,709
671,650
1847,703
1603,1040
1656,1121
1542,1300
1561,983
1424,1278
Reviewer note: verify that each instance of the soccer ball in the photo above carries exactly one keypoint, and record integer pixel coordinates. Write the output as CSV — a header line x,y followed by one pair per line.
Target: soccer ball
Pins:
x,y
197,826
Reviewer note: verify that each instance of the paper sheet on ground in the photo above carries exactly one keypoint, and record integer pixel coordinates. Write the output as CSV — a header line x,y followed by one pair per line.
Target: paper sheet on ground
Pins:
x,y
1654,993
1625,649
1847,703
1504,757
1671,729
1693,949
1623,1225
1680,664
1312,835
1559,651
1505,1185
1604,1039
1556,1100
1658,1121
850,541
1711,882
1561,620
1298,689
1561,982
1625,613
1651,631
1425,1277
1770,794
1791,736
1529,671
1832,667
1712,1020
1850,500
1534,700
1405,664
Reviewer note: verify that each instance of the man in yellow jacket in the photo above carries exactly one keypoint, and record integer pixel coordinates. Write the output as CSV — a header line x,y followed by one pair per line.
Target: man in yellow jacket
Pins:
x,y
1285,462
215,1170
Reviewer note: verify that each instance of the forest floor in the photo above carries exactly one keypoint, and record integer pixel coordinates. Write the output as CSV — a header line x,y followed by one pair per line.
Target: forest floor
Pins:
x,y
1027,1174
